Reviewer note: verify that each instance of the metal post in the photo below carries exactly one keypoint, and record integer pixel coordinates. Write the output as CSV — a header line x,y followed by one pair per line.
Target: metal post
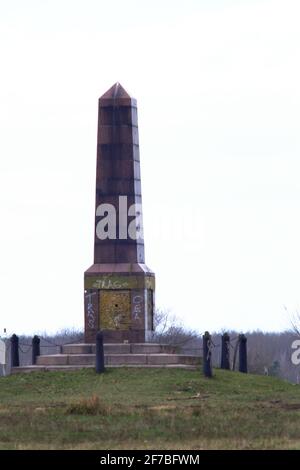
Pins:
x,y
35,348
207,370
15,362
99,353
225,352
243,354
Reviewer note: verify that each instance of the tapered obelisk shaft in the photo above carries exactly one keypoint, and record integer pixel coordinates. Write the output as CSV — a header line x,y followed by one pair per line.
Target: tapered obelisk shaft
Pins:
x,y
118,177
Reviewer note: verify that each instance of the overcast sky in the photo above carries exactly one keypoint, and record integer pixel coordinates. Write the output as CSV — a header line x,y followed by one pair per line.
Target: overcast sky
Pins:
x,y
217,84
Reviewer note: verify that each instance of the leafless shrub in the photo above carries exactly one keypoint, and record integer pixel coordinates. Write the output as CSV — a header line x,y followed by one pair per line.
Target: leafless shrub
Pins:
x,y
49,344
294,320
66,335
169,329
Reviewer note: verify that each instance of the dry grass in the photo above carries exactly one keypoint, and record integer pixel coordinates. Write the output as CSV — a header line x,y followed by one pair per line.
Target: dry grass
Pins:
x,y
89,406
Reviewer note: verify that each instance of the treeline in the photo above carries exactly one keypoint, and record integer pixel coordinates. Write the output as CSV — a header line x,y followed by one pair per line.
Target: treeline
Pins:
x,y
268,353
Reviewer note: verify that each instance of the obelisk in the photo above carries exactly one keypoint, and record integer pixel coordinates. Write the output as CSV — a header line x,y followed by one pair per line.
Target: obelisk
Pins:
x,y
118,287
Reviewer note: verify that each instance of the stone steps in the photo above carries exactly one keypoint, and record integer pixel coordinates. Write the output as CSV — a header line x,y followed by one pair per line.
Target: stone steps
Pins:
x,y
116,359
119,348
77,356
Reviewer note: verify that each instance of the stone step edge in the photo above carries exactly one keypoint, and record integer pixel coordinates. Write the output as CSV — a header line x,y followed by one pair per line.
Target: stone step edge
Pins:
x,y
68,359
118,344
25,369
121,354
130,347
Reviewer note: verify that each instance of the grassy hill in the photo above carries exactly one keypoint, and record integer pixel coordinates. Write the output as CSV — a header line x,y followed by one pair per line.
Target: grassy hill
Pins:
x,y
148,409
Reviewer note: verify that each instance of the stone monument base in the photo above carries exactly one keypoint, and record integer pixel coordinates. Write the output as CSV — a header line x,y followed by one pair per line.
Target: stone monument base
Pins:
x,y
119,301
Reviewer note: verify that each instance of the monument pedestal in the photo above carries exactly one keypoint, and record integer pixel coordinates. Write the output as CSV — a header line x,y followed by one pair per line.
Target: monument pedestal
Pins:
x,y
119,301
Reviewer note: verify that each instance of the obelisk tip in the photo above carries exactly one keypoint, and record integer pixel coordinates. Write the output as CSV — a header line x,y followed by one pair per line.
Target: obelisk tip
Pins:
x,y
117,94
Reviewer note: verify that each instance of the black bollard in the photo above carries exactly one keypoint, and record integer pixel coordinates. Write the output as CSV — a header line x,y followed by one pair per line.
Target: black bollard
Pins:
x,y
35,348
225,352
99,353
15,362
243,354
207,345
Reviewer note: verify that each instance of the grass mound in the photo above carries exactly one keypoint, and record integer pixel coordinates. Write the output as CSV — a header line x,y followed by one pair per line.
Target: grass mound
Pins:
x,y
148,409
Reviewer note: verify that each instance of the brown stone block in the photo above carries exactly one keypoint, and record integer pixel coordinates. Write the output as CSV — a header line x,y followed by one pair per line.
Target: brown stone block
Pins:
x,y
117,186
124,169
81,359
126,252
117,151
121,134
113,199
189,360
112,115
162,358
115,348
132,336
124,186
78,348
118,251
146,348
127,243
104,253
120,268
112,168
119,102
118,359
55,359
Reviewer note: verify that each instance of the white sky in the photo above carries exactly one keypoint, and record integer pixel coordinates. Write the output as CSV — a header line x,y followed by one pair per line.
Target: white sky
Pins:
x,y
217,84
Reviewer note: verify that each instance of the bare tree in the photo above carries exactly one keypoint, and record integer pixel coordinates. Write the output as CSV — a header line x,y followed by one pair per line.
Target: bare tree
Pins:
x,y
169,329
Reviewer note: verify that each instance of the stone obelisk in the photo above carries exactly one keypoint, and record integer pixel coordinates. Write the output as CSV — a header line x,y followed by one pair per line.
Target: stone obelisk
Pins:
x,y
118,287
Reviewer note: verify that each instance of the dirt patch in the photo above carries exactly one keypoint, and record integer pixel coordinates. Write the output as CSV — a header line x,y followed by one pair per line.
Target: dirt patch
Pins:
x,y
162,407
279,404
